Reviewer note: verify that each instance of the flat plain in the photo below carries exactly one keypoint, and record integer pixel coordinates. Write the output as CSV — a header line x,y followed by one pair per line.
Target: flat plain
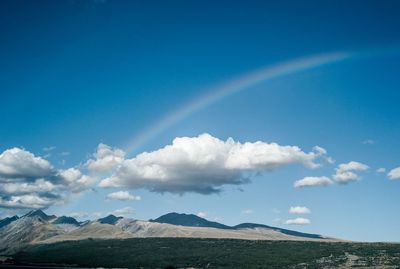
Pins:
x,y
211,253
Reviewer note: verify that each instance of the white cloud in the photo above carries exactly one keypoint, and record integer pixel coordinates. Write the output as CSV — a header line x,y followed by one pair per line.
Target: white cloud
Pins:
x,y
299,210
202,214
75,180
248,211
298,221
356,166
394,173
323,153
47,149
313,181
19,163
29,181
122,196
98,214
369,142
381,170
78,215
105,159
329,160
26,181
218,219
346,172
203,164
123,212
38,186
27,201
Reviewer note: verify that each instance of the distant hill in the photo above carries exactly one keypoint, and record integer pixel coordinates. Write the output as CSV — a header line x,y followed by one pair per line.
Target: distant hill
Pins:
x,y
8,220
189,220
284,231
110,219
66,220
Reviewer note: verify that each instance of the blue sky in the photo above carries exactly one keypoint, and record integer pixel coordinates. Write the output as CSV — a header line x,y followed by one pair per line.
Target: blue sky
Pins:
x,y
76,74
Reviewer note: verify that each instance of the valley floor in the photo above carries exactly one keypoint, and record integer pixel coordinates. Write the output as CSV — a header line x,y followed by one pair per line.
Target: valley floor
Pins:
x,y
211,253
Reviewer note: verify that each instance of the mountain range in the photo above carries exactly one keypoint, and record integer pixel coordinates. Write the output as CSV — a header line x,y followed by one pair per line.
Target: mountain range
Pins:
x,y
37,227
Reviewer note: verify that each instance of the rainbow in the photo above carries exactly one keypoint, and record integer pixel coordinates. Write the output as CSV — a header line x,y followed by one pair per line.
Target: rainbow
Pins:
x,y
233,86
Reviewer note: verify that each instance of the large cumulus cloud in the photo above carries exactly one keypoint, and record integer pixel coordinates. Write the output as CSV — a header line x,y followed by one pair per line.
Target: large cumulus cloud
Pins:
x,y
105,159
29,181
204,163
18,163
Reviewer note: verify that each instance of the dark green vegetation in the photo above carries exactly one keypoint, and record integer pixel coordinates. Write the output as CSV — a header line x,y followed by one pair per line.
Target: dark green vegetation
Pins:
x,y
211,253
196,221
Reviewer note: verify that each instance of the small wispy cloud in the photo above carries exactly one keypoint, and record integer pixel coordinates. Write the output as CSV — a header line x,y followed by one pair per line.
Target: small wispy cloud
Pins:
x,y
313,181
248,211
346,172
123,211
381,170
394,173
123,196
276,211
298,221
47,149
201,214
299,210
78,215
368,142
97,214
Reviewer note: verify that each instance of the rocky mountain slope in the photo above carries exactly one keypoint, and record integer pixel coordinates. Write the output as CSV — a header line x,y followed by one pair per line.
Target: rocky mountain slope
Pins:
x,y
195,221
37,227
8,220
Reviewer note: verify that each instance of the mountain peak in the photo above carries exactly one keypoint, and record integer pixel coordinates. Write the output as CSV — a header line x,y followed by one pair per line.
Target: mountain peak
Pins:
x,y
188,220
110,219
66,220
39,213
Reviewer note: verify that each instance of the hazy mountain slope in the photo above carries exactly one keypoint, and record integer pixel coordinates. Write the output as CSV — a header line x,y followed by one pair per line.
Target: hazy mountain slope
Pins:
x,y
37,227
8,220
151,229
127,228
24,231
284,231
91,230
